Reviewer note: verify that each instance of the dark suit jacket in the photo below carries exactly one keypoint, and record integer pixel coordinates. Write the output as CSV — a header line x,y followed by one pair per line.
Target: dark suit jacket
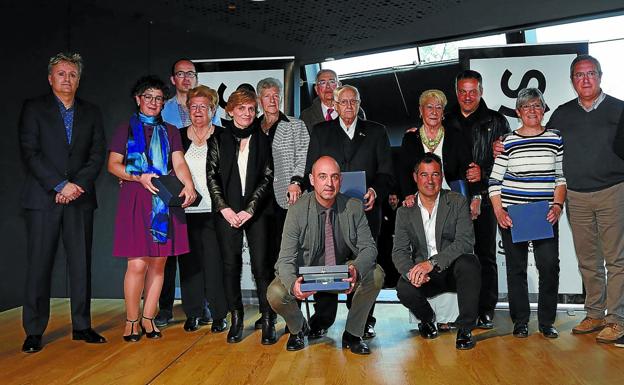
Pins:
x,y
371,152
301,240
456,156
50,159
453,232
313,115
223,175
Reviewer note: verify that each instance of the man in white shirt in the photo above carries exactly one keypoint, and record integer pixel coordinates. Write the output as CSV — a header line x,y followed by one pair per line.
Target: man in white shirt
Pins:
x,y
432,251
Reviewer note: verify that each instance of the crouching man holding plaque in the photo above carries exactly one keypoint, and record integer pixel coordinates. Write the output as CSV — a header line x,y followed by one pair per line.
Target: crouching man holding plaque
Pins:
x,y
326,228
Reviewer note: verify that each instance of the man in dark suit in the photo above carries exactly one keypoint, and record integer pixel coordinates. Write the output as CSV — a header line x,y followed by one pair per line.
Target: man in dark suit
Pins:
x,y
322,108
433,244
63,148
318,221
357,145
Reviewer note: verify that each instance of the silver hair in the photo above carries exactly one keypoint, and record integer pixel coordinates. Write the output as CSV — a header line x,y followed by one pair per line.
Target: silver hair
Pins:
x,y
325,71
527,94
339,90
72,58
588,58
269,83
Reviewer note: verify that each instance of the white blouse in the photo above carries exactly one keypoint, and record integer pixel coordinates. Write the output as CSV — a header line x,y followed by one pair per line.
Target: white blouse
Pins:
x,y
243,156
196,159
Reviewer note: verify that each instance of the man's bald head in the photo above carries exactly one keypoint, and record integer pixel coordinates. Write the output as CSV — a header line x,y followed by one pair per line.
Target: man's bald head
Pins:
x,y
326,179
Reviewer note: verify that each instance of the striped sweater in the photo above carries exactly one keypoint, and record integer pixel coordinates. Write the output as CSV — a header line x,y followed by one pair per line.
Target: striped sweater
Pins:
x,y
529,168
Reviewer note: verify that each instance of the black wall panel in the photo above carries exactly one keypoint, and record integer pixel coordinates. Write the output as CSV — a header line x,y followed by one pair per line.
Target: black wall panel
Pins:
x,y
117,49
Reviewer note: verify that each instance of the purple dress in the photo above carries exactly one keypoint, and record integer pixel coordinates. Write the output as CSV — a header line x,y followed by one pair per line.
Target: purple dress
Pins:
x,y
132,222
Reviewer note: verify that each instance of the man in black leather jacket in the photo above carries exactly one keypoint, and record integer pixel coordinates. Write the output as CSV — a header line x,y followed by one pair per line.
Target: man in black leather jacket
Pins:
x,y
480,127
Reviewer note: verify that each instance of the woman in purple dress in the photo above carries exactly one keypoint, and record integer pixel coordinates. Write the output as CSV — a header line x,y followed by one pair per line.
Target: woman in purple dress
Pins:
x,y
146,230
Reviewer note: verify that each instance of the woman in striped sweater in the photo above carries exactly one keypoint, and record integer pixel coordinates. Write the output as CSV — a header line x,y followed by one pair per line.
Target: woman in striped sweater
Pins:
x,y
530,170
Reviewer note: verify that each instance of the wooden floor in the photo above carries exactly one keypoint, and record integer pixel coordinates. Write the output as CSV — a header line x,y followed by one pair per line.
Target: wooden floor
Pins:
x,y
399,355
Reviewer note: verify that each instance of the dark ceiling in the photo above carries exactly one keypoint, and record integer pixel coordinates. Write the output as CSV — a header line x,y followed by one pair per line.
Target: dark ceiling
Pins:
x,y
316,29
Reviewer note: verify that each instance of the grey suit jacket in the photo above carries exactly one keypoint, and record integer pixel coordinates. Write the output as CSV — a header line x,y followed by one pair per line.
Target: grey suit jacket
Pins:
x,y
453,231
301,240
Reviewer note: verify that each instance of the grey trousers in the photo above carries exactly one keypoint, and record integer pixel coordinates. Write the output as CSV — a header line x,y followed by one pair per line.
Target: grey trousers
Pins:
x,y
597,222
366,291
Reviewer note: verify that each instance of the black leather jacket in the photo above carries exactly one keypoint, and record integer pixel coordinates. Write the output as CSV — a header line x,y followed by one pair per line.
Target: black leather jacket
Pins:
x,y
223,176
481,129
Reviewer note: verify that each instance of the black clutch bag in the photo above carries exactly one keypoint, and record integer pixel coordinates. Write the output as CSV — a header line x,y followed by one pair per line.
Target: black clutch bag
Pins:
x,y
324,278
169,188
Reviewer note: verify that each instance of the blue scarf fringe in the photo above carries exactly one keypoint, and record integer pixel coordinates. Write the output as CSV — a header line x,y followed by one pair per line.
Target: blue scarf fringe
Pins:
x,y
137,164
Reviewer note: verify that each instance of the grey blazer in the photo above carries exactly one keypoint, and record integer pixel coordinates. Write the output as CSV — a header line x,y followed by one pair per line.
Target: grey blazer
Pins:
x,y
290,148
454,233
301,240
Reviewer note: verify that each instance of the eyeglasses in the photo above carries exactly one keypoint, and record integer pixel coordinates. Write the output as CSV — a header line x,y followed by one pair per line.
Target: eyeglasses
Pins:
x,y
200,107
187,74
325,83
588,75
149,98
352,102
534,106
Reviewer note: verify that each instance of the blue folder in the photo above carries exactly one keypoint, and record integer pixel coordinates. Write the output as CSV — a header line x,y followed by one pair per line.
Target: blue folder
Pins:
x,y
529,222
459,186
354,184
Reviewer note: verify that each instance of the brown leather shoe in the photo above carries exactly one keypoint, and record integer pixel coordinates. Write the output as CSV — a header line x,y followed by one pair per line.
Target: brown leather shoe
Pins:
x,y
589,325
610,333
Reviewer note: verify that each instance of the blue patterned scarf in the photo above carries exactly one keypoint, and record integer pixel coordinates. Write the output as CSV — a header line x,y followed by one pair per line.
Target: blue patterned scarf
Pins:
x,y
155,161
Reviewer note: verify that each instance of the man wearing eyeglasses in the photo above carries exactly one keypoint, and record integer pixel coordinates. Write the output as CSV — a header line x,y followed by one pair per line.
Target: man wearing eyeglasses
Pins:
x,y
183,77
357,145
322,108
175,112
63,147
595,201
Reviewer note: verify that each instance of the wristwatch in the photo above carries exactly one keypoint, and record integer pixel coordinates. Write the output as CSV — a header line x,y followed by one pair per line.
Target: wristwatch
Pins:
x,y
434,264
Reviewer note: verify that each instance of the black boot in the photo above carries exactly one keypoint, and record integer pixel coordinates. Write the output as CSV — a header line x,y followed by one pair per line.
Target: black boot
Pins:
x,y
236,329
269,337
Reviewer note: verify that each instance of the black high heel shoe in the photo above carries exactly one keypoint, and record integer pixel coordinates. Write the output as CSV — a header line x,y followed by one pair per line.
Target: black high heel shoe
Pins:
x,y
132,337
154,333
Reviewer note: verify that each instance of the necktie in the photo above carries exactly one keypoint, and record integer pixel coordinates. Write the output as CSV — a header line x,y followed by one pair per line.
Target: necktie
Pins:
x,y
330,253
328,117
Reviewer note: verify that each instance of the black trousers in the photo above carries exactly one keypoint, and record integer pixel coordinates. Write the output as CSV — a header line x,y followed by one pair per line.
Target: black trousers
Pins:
x,y
262,265
167,293
201,270
462,276
275,219
546,252
485,248
75,227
